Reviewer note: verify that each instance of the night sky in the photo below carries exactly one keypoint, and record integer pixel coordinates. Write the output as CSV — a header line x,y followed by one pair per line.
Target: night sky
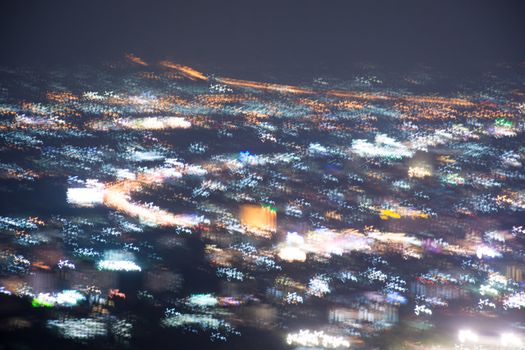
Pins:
x,y
287,34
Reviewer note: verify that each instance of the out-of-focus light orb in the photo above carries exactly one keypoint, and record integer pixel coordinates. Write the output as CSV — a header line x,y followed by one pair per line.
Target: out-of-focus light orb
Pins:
x,y
290,253
85,197
294,238
467,336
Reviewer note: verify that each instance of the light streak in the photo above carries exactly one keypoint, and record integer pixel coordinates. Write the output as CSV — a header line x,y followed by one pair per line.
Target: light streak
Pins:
x,y
117,196
188,72
135,59
265,86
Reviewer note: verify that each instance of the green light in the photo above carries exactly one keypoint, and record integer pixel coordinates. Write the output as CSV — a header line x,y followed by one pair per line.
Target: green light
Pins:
x,y
503,122
40,303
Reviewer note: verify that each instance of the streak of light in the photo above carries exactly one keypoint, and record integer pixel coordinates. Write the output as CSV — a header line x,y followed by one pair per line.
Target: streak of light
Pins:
x,y
265,86
117,196
188,72
135,59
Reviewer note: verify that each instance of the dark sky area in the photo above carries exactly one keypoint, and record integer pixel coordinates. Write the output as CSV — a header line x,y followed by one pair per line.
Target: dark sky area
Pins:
x,y
450,34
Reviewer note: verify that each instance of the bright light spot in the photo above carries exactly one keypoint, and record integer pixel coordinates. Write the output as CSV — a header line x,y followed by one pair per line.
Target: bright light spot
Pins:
x,y
510,339
294,238
422,309
155,123
487,251
292,254
383,146
316,338
118,265
118,261
467,336
69,298
202,300
85,197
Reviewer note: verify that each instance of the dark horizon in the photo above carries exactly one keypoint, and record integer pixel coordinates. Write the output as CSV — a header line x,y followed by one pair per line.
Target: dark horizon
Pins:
x,y
450,35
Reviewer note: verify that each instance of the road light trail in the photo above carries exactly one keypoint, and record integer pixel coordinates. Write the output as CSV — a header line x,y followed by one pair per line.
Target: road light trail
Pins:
x,y
117,196
188,72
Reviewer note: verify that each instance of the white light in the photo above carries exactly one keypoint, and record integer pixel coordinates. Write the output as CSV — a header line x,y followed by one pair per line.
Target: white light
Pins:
x,y
318,286
383,146
515,301
124,174
292,254
422,309
487,251
510,339
316,338
139,156
118,265
202,300
81,328
69,298
294,238
85,197
317,149
467,336
64,298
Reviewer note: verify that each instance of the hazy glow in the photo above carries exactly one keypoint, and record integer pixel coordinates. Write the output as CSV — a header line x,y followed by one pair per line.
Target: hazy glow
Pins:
x,y
85,197
510,340
467,336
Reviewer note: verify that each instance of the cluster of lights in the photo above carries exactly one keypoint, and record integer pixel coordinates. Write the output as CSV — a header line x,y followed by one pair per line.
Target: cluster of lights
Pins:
x,y
81,328
336,201
118,265
310,338
64,298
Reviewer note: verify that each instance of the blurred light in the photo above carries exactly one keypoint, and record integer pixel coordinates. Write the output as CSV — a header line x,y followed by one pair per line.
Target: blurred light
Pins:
x,y
316,338
510,339
118,265
85,197
467,336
